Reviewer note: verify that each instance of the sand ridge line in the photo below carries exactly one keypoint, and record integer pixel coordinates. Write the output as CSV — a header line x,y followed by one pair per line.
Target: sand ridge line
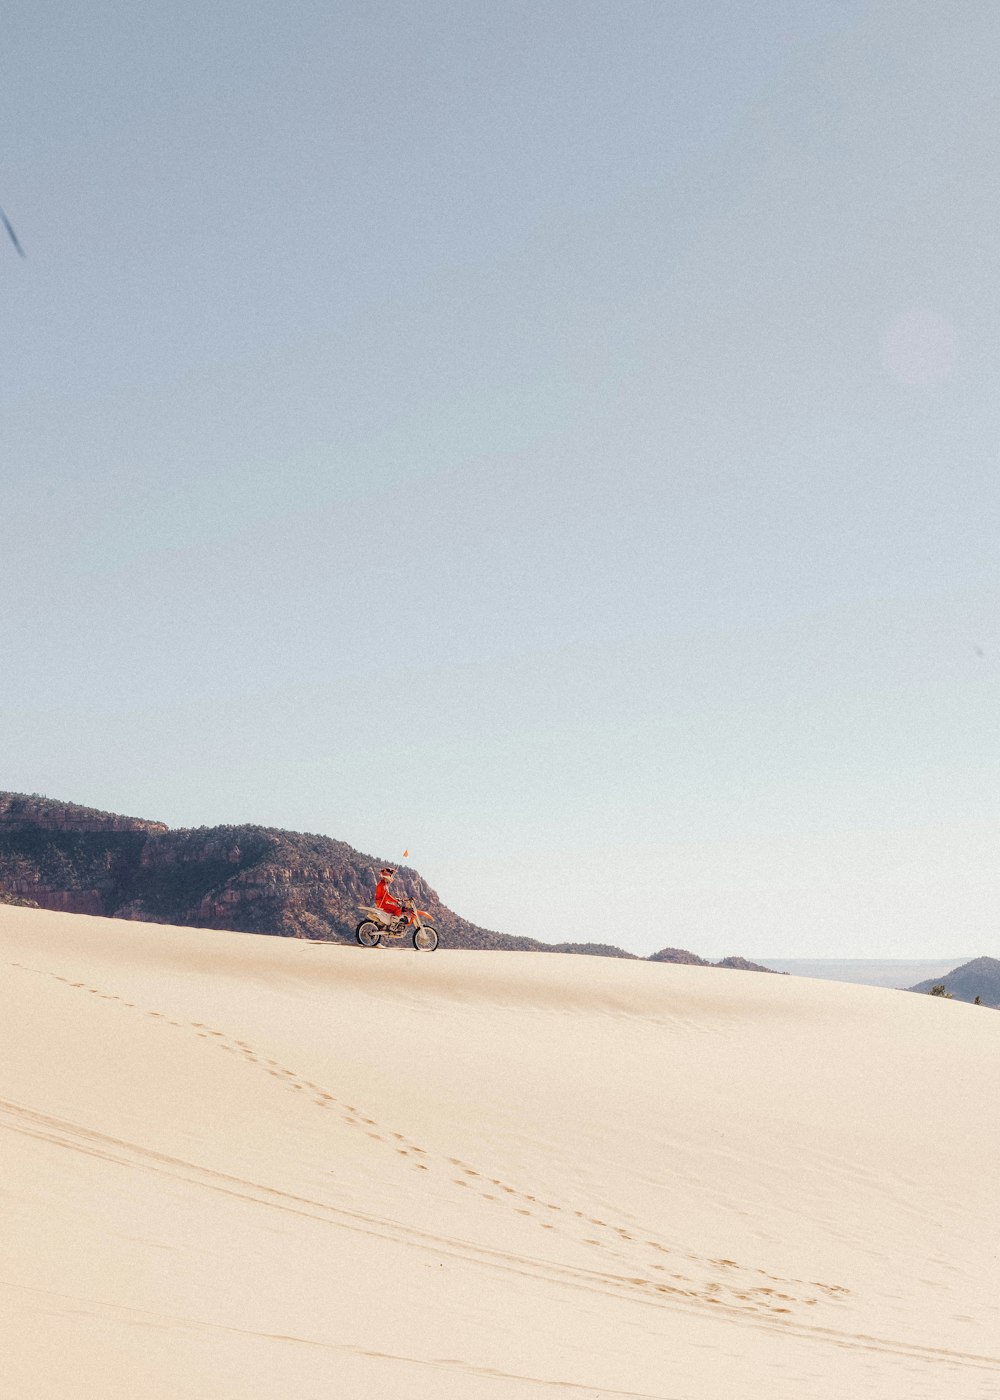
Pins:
x,y
61,1132
863,1341
745,1295
750,1303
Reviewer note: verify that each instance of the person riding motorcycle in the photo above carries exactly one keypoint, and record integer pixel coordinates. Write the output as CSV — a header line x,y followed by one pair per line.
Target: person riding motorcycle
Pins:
x,y
385,901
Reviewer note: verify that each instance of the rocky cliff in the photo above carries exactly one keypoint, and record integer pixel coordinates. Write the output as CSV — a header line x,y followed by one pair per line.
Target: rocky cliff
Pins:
x,y
19,812
256,879
59,855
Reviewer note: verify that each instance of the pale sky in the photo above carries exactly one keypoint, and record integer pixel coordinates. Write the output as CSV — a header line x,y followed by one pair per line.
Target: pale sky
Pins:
x,y
560,439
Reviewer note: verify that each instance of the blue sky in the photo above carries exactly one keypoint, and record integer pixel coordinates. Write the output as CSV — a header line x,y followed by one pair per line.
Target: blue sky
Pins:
x,y
560,440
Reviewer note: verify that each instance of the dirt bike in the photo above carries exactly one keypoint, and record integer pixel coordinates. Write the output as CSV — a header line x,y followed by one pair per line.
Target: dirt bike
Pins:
x,y
378,924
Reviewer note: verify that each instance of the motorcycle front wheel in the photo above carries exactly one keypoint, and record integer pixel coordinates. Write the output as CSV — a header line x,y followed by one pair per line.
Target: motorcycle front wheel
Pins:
x,y
368,933
425,939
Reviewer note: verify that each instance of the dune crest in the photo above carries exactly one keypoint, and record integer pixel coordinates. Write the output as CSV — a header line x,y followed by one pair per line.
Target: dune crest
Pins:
x,y
243,1167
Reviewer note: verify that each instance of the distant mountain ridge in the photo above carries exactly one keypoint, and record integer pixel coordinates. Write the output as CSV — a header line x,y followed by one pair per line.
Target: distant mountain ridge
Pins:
x,y
681,955
254,879
897,973
978,978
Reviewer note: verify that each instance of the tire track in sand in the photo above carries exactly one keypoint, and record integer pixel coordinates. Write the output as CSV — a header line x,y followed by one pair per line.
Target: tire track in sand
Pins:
x,y
743,1299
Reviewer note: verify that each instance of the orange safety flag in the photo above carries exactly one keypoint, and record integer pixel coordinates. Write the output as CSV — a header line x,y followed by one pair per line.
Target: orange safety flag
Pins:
x,y
406,853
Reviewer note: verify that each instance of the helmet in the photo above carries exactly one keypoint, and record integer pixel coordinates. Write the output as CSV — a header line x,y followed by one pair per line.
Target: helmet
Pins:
x,y
387,870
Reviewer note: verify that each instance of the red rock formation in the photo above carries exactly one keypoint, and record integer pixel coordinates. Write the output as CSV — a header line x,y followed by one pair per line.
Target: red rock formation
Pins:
x,y
66,901
20,813
248,878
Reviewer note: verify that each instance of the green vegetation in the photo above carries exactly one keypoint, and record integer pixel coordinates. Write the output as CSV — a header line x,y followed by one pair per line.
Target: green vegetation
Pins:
x,y
976,982
7,896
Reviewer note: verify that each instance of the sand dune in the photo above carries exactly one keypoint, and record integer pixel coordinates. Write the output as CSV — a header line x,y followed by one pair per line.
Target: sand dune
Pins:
x,y
243,1168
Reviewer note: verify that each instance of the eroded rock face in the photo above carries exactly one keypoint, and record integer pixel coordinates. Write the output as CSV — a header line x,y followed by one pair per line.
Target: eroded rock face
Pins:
x,y
22,813
9,896
255,879
67,901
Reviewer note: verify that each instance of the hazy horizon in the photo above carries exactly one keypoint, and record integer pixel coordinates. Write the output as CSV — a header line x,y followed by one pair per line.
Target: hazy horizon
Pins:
x,y
558,442
901,973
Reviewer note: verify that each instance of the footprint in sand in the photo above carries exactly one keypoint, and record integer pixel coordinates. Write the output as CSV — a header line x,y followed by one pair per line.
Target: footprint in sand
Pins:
x,y
355,1118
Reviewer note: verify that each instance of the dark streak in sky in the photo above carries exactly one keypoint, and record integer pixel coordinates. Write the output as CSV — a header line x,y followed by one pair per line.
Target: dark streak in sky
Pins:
x,y
13,235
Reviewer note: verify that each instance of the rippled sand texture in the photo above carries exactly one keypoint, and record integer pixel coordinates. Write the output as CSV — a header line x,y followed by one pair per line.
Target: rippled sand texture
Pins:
x,y
244,1168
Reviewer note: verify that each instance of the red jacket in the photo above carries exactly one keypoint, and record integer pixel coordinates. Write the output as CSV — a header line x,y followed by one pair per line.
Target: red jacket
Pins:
x,y
384,899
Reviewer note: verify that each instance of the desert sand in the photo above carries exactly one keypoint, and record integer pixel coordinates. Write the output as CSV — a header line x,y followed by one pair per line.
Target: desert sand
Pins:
x,y
245,1168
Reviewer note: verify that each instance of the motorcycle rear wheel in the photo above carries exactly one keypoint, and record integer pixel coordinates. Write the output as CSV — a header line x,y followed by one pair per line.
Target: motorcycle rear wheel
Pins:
x,y
425,939
368,933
